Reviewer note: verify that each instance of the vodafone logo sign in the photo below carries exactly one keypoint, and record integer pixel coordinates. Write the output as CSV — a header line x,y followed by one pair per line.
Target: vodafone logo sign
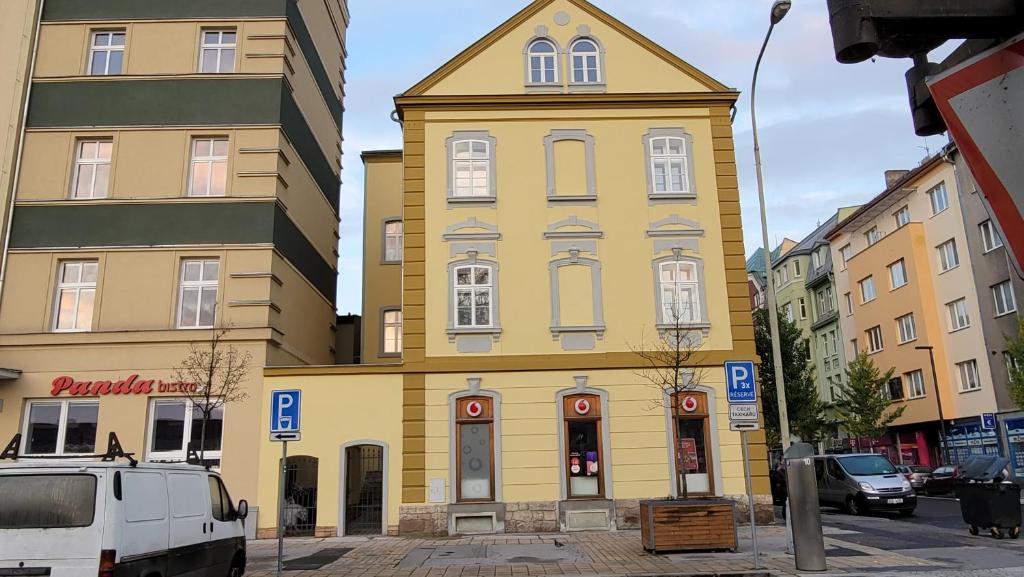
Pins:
x,y
474,409
689,404
582,407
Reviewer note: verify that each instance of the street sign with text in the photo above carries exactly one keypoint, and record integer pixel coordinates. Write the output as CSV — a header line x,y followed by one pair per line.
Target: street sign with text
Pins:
x,y
740,385
743,412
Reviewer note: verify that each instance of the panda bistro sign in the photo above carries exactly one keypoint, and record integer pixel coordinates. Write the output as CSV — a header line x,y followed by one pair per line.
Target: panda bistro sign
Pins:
x,y
132,385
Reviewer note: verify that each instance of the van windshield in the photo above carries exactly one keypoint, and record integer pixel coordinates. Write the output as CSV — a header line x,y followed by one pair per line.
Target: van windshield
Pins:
x,y
47,501
861,465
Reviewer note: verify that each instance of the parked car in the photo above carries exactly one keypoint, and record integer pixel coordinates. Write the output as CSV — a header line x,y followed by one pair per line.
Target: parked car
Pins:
x,y
916,474
83,519
942,481
860,483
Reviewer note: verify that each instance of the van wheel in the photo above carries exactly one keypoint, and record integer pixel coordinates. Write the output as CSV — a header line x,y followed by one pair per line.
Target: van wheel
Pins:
x,y
853,507
237,567
973,530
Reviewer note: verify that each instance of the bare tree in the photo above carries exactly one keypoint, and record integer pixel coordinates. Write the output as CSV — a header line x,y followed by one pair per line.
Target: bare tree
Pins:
x,y
217,370
674,366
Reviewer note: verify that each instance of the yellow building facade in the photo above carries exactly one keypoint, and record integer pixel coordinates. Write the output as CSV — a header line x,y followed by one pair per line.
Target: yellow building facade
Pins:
x,y
179,178
568,198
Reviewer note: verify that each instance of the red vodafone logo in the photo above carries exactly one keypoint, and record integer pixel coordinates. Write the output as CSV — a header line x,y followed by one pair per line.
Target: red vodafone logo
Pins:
x,y
689,404
474,409
582,407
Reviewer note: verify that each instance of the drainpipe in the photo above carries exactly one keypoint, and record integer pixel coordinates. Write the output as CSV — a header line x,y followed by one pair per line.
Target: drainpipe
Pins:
x,y
19,152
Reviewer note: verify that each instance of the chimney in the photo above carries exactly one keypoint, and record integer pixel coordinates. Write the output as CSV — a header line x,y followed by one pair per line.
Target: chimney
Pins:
x,y
893,176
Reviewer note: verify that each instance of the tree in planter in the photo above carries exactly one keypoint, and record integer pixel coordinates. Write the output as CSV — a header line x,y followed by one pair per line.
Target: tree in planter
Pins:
x,y
674,366
803,402
1015,363
218,371
864,403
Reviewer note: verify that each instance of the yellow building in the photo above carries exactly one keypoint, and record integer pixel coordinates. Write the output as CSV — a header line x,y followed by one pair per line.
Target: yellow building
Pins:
x,y
179,176
905,275
565,185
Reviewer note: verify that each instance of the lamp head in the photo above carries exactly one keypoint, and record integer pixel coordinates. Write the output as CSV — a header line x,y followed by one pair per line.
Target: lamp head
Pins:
x,y
779,10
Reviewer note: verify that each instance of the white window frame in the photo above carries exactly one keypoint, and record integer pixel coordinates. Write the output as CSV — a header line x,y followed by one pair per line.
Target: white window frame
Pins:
x,y
906,328
394,347
218,47
210,161
802,303
667,160
62,425
873,236
844,254
473,288
1004,299
182,454
902,216
597,68
938,198
875,341
96,162
894,282
915,384
679,289
78,288
787,311
473,164
970,378
849,304
949,257
957,312
796,269
548,63
109,48
990,237
868,281
1010,363
393,255
202,286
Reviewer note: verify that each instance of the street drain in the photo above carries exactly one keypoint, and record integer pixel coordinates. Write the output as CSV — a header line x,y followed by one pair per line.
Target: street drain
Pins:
x,y
315,561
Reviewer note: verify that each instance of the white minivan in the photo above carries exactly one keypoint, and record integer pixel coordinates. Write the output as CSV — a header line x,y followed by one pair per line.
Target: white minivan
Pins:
x,y
109,519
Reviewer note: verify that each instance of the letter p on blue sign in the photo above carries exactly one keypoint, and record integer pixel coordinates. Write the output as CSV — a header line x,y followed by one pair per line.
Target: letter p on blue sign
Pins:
x,y
740,384
285,410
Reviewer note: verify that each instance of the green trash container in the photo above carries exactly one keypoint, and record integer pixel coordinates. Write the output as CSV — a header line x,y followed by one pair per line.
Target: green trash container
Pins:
x,y
993,506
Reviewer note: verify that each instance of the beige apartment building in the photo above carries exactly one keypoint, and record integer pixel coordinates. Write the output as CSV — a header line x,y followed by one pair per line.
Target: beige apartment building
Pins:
x,y
382,257
179,177
905,277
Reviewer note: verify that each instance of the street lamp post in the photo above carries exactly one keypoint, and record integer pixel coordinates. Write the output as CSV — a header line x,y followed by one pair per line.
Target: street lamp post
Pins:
x,y
779,10
938,402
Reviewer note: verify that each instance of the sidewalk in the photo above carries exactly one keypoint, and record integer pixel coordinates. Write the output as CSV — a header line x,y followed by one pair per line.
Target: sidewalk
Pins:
x,y
591,554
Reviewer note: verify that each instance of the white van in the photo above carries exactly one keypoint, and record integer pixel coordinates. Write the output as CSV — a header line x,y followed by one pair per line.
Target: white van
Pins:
x,y
108,519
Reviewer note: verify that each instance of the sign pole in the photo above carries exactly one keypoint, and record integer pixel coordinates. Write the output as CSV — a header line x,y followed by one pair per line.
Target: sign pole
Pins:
x,y
750,499
280,507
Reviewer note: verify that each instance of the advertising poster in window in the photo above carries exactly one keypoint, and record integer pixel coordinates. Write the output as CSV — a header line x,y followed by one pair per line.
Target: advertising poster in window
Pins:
x,y
688,454
1015,440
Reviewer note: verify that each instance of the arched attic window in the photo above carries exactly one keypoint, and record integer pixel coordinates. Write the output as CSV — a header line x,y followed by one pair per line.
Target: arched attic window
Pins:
x,y
542,59
585,56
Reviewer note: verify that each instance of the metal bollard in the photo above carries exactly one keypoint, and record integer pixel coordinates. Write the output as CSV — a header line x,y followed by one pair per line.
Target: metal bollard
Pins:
x,y
805,515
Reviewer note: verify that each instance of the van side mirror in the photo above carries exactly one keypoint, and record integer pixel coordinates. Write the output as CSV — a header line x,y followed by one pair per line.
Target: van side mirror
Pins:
x,y
243,509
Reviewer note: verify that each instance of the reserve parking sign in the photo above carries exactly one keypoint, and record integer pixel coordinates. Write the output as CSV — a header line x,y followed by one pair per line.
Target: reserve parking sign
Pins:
x,y
740,384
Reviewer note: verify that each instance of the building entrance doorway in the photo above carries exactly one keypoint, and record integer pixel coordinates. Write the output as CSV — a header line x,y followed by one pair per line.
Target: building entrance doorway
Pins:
x,y
300,495
364,490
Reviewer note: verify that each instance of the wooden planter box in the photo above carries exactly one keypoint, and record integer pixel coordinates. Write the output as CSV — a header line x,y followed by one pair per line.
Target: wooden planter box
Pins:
x,y
688,525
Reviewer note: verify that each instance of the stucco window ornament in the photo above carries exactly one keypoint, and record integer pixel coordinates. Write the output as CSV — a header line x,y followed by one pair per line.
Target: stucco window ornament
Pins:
x,y
471,167
680,294
542,59
473,308
670,172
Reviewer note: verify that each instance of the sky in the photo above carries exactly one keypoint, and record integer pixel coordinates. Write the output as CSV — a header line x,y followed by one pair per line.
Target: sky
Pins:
x,y
828,131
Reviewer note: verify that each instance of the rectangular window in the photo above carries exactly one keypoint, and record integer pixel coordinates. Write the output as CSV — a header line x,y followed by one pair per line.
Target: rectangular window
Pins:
x,y
803,308
785,274
471,168
990,238
584,460
669,166
948,256
209,167
787,310
856,347
197,294
902,217
680,300
473,296
217,52
958,317
796,268
106,53
874,335
825,305
938,198
60,428
1006,303
392,332
915,384
76,295
475,457
872,235
815,260
845,253
174,424
907,328
849,304
969,378
897,274
393,241
895,389
91,176
62,501
1011,364
867,290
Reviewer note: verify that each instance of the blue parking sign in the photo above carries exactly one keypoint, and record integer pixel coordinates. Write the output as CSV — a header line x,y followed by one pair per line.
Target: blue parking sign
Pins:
x,y
988,421
285,411
740,383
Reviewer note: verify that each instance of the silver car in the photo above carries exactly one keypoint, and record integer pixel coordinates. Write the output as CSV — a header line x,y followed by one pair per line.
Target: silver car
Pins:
x,y
916,474
863,482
